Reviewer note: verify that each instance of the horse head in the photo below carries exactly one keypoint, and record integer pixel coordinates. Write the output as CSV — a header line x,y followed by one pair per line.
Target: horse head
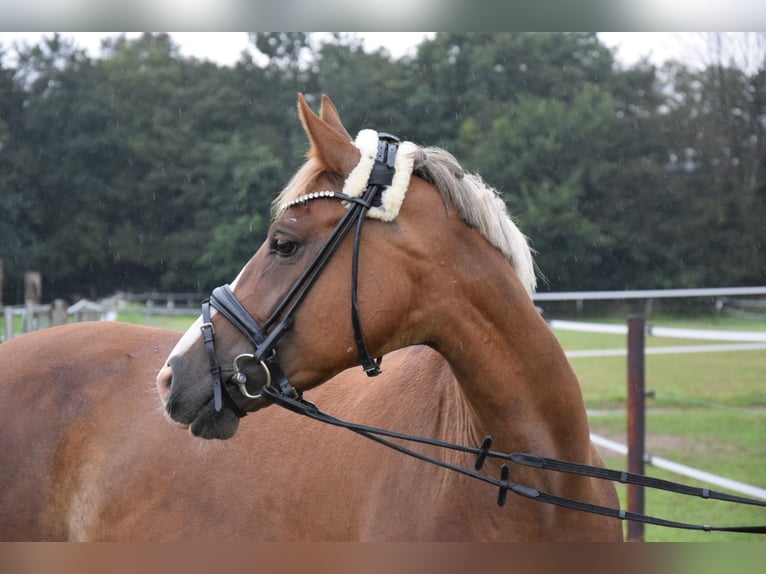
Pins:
x,y
324,292
316,338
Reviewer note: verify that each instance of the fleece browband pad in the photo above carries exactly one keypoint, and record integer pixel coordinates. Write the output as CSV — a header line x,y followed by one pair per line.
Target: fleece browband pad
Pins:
x,y
393,195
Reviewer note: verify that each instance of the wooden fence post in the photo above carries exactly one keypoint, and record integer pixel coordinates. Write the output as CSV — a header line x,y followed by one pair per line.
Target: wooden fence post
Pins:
x,y
33,292
636,420
58,313
8,315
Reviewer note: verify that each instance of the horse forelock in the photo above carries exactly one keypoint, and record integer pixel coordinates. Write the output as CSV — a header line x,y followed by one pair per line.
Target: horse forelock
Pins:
x,y
299,185
477,204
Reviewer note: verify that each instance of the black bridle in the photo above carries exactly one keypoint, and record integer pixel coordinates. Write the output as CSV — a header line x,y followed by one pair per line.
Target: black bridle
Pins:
x,y
277,388
264,337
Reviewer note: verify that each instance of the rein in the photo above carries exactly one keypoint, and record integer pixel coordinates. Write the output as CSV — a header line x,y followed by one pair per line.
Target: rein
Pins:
x,y
504,484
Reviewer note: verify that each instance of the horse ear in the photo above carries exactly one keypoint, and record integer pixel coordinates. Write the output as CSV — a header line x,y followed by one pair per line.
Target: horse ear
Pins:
x,y
329,113
333,148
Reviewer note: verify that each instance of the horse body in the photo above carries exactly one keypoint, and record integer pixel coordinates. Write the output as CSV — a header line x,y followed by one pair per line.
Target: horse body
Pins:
x,y
88,455
444,287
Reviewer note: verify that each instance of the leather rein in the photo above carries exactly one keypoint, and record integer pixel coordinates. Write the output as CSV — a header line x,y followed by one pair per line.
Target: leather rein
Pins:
x,y
505,485
278,389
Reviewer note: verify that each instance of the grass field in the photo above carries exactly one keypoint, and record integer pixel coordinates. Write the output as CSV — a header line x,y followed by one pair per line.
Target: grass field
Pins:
x,y
708,412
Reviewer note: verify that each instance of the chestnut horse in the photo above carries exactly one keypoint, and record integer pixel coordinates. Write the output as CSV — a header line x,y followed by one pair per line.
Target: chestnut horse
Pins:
x,y
438,283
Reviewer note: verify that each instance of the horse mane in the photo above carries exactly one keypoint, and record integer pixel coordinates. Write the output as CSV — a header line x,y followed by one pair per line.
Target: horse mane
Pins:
x,y
477,204
297,186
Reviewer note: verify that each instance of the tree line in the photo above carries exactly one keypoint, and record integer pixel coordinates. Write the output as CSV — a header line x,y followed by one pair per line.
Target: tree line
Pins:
x,y
144,169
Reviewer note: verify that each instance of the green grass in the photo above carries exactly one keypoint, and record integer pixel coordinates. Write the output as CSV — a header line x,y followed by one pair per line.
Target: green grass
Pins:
x,y
725,379
709,412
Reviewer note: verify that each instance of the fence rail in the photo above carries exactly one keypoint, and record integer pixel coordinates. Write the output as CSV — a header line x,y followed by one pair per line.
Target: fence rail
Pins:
x,y
149,304
155,298
725,298
650,294
33,317
659,331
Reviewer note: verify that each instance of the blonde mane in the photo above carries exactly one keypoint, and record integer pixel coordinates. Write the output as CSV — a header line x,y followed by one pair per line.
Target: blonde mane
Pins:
x,y
480,207
477,204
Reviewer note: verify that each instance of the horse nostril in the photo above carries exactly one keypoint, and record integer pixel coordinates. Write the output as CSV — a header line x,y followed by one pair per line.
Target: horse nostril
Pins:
x,y
164,382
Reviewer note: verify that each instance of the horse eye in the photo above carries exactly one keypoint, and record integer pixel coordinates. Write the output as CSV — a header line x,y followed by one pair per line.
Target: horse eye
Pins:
x,y
283,247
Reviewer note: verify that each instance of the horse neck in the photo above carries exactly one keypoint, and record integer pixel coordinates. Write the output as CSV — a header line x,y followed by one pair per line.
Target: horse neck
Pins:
x,y
513,377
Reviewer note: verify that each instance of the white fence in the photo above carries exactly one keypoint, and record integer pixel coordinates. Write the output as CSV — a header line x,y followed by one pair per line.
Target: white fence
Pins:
x,y
150,304
650,294
167,300
33,317
670,332
683,470
727,300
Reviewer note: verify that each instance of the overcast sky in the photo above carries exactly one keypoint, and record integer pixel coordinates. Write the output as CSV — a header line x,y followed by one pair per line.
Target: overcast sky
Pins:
x,y
226,47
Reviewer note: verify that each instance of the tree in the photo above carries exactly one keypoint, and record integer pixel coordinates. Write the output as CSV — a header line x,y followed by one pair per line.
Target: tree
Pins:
x,y
146,169
716,153
547,153
60,148
14,235
254,174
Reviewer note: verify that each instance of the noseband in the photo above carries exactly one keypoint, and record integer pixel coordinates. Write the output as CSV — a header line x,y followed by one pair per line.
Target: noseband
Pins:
x,y
264,337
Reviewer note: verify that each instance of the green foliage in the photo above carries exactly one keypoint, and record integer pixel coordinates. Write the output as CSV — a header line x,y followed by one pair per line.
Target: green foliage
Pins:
x,y
247,170
145,169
